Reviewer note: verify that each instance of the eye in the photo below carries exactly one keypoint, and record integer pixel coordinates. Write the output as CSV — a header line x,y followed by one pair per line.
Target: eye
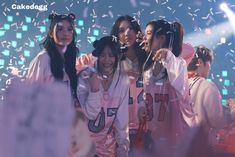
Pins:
x,y
121,30
102,55
111,55
70,29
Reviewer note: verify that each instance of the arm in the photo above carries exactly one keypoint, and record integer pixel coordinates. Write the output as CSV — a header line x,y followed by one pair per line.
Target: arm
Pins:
x,y
121,124
176,70
89,99
213,107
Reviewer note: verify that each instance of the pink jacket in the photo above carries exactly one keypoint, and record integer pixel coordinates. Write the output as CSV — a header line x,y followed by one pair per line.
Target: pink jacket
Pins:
x,y
107,112
169,110
40,71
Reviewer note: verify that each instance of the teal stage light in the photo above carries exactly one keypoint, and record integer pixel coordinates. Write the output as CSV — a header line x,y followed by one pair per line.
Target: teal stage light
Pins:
x,y
10,18
227,82
80,23
6,26
18,35
224,91
95,32
26,53
78,31
14,44
6,53
2,33
24,28
224,73
2,62
28,19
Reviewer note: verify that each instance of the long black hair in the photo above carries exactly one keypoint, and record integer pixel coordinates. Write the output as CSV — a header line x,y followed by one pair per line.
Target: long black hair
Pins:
x,y
139,52
172,31
57,63
174,36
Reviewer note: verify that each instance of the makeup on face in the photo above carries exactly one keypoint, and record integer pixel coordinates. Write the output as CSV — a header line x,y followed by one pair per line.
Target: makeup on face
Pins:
x,y
126,33
63,33
106,61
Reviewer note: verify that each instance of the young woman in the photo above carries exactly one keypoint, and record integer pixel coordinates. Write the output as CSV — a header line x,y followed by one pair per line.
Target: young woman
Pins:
x,y
103,95
56,62
126,30
168,110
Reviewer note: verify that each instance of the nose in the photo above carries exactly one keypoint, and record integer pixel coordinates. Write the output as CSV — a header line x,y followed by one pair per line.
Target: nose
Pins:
x,y
127,31
106,58
66,32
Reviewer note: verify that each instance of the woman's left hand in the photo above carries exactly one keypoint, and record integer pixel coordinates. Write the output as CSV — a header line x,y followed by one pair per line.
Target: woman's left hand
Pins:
x,y
160,54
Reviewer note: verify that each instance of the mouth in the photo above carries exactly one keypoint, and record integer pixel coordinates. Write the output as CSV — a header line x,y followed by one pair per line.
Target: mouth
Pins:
x,y
65,39
128,41
107,65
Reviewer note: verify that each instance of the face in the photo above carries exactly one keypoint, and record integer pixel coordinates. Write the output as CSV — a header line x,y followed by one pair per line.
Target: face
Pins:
x,y
63,33
204,68
153,45
127,34
106,61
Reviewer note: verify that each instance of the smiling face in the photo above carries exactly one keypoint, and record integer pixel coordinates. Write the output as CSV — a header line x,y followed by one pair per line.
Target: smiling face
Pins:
x,y
106,61
62,33
126,33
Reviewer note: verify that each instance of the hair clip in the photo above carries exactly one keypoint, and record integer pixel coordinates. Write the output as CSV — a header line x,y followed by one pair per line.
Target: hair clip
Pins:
x,y
72,16
55,16
52,16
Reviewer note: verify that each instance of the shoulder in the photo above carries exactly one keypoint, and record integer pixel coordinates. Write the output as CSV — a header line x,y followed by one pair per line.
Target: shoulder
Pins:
x,y
124,79
207,85
42,56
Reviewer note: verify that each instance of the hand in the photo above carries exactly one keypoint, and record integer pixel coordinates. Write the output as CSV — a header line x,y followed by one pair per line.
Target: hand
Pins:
x,y
231,104
74,148
160,54
142,114
76,103
139,37
94,82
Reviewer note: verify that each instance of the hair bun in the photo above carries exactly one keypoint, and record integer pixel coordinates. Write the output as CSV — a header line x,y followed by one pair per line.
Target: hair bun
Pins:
x,y
72,16
96,43
52,16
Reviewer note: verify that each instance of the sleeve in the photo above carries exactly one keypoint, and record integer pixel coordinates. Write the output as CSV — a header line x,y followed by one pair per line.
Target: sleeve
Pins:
x,y
177,72
84,60
90,101
37,69
121,124
213,107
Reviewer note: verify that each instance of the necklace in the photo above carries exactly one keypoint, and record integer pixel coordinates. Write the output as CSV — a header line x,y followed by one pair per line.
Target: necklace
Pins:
x,y
106,81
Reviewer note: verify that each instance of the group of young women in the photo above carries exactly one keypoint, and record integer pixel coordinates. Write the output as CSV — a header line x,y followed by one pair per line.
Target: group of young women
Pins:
x,y
133,87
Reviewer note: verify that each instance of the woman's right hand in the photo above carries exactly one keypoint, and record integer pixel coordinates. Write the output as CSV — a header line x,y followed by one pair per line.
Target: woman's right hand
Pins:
x,y
94,82
142,114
